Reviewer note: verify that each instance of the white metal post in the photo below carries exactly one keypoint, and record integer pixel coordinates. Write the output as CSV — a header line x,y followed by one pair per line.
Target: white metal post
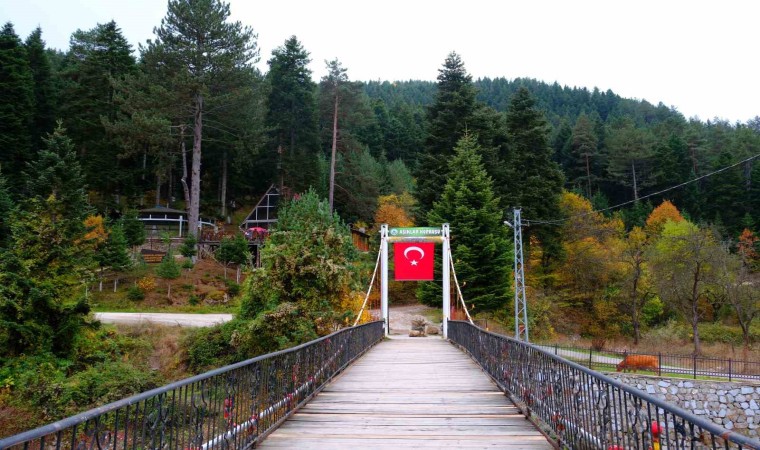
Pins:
x,y
180,226
445,285
521,303
384,276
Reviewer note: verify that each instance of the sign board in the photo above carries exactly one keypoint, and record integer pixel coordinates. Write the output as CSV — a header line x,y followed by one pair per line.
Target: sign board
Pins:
x,y
152,256
415,232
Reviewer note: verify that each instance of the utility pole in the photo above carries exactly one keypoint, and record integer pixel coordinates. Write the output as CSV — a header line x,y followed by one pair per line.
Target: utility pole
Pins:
x,y
521,304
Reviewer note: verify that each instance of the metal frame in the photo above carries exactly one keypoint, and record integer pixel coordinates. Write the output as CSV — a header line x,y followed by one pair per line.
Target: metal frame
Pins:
x,y
521,303
584,409
231,407
446,296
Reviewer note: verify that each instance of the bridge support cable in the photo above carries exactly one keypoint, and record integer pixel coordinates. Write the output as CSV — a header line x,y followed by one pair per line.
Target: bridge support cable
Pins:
x,y
459,289
369,290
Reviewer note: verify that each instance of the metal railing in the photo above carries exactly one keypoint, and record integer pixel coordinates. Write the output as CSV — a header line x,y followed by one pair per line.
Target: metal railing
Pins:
x,y
233,407
583,409
683,365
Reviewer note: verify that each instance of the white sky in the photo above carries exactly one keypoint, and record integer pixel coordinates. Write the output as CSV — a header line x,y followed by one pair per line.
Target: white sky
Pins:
x,y
700,57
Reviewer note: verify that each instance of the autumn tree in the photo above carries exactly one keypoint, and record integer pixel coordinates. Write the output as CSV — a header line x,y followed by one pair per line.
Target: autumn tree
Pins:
x,y
684,259
735,285
395,210
636,278
660,216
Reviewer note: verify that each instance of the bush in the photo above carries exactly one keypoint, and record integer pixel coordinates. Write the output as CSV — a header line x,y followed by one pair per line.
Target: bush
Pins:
x,y
211,347
187,264
193,300
233,289
134,293
147,284
715,332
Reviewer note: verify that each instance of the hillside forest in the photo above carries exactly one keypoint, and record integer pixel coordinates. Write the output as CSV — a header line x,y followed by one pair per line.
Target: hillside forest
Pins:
x,y
640,223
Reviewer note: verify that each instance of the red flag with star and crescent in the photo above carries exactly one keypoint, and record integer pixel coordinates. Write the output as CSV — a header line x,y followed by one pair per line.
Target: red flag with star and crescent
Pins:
x,y
414,261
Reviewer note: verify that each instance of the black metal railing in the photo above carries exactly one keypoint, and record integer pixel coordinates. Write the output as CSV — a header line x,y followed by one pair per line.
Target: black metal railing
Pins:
x,y
682,365
583,409
233,407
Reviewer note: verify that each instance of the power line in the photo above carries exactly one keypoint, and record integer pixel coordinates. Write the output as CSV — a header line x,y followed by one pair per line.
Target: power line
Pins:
x,y
685,183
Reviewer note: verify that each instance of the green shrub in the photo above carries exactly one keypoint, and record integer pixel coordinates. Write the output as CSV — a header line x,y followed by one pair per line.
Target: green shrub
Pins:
x,y
187,264
233,289
193,300
135,294
211,347
716,332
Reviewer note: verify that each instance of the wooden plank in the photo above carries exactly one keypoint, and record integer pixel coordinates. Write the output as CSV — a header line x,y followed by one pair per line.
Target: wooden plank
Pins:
x,y
409,393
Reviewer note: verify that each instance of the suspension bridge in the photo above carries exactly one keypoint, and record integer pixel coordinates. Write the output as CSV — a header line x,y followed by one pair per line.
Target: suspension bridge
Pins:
x,y
360,387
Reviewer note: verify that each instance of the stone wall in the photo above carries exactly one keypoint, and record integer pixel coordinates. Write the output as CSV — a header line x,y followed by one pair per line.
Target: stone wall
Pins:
x,y
732,405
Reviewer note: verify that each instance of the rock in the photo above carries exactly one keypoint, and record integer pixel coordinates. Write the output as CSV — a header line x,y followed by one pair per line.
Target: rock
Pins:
x,y
741,398
753,405
416,333
747,390
650,389
432,330
728,425
663,384
688,384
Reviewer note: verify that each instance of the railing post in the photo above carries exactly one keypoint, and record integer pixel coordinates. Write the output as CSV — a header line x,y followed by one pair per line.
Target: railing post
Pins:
x,y
729,369
590,355
694,363
659,364
555,349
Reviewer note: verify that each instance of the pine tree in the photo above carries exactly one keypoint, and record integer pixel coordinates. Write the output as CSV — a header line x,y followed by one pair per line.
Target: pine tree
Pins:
x,y
479,241
292,118
584,155
16,108
97,57
43,118
48,261
448,119
114,254
199,56
6,207
535,180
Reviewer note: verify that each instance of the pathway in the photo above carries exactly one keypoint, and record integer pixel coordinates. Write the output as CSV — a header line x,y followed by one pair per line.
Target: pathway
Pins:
x,y
409,393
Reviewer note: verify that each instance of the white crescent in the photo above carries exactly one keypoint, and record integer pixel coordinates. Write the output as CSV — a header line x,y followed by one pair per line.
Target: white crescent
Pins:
x,y
416,249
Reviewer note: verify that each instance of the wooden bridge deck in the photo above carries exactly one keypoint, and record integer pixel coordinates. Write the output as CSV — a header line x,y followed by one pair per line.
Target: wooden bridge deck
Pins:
x,y
409,393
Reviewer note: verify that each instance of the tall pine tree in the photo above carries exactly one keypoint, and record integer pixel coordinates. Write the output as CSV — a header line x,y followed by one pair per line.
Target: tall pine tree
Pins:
x,y
44,114
16,108
199,54
535,180
482,253
292,118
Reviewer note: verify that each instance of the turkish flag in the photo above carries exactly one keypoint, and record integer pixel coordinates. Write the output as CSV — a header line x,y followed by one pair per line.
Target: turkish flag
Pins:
x,y
414,261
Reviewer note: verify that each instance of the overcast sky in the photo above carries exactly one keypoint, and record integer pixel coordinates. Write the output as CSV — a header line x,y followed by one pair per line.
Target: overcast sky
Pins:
x,y
699,57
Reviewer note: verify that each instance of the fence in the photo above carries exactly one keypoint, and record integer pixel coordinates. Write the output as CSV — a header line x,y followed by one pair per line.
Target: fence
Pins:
x,y
683,365
233,407
584,409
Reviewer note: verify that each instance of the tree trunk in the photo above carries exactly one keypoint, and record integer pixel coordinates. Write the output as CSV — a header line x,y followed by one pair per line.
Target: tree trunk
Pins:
x,y
195,183
158,190
695,310
183,180
334,147
224,184
745,336
588,174
169,290
115,283
635,185
237,275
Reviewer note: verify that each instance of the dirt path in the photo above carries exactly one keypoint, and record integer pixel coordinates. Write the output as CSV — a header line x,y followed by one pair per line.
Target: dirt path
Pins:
x,y
401,317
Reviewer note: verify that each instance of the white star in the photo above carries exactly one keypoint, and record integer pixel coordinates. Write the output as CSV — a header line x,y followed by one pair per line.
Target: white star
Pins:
x,y
414,262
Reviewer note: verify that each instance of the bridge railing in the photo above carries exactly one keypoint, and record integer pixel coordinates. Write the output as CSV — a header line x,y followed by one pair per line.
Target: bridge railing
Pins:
x,y
584,409
232,407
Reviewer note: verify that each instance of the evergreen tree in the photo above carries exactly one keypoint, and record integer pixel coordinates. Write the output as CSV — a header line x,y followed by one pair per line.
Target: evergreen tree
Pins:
x,y
448,119
43,118
114,253
16,108
199,55
44,268
168,270
479,244
6,207
97,57
292,118
582,169
535,180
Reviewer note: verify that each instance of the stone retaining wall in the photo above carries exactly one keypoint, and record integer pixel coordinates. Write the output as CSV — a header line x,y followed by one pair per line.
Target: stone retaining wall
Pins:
x,y
732,405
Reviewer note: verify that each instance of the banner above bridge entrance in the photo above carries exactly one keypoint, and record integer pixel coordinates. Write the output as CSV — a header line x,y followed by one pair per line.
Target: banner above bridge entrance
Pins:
x,y
415,232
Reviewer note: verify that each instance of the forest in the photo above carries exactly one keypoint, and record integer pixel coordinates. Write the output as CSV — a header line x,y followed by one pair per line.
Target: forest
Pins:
x,y
640,223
